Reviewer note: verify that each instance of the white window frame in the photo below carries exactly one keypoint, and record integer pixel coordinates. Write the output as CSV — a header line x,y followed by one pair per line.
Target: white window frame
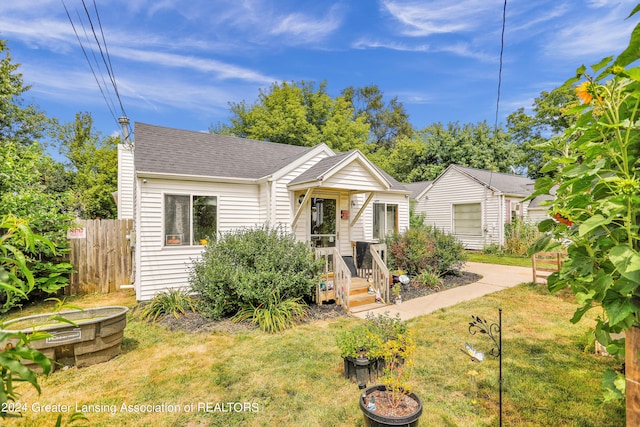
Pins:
x,y
480,230
384,225
189,238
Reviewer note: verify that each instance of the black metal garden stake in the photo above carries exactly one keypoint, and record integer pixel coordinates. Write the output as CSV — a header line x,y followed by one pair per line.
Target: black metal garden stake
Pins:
x,y
483,327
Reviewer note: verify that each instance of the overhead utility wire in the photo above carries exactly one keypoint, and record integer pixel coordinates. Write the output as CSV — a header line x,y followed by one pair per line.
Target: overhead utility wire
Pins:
x,y
495,126
504,21
111,110
96,62
105,58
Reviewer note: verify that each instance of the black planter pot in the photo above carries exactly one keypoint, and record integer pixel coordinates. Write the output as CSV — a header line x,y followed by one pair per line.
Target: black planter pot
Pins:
x,y
371,419
374,367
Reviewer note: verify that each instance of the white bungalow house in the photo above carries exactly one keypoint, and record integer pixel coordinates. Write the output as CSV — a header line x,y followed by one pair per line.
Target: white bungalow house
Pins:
x,y
183,188
475,204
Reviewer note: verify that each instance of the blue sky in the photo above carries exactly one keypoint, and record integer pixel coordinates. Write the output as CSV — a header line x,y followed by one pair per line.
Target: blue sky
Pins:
x,y
178,63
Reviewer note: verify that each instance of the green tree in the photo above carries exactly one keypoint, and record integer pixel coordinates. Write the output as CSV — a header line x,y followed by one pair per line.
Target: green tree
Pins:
x,y
92,167
432,149
387,123
19,123
32,186
544,128
298,114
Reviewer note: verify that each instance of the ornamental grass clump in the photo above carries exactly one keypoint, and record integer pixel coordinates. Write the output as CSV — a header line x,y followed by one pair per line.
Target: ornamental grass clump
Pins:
x,y
275,314
174,302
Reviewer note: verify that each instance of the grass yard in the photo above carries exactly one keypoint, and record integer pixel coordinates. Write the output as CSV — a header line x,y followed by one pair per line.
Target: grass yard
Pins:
x,y
478,256
295,378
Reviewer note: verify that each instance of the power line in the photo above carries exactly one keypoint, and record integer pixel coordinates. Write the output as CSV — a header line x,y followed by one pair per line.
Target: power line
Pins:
x,y
504,22
104,55
84,51
495,126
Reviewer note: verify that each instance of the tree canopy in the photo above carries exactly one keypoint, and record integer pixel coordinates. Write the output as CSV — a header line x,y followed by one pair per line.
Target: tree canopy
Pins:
x,y
435,147
19,123
387,123
299,114
92,168
544,127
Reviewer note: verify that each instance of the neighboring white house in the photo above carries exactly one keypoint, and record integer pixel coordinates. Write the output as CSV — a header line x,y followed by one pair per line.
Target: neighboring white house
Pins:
x,y
183,188
475,204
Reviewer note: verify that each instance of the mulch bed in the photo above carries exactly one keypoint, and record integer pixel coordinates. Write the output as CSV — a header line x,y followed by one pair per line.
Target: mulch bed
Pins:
x,y
196,322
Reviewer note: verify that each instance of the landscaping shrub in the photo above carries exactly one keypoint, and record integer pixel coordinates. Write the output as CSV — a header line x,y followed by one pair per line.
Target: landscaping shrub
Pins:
x,y
246,266
367,339
425,248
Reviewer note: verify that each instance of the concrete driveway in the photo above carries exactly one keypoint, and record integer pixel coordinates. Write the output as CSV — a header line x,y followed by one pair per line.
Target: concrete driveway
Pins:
x,y
494,278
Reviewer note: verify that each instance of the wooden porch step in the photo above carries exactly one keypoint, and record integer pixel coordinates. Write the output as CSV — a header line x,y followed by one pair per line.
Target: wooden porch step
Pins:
x,y
361,299
359,294
359,286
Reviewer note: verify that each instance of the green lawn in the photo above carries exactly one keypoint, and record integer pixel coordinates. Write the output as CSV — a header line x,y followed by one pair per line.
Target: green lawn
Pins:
x,y
476,256
295,378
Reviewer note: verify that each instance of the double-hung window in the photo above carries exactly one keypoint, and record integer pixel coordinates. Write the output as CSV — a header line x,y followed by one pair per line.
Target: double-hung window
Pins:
x,y
467,219
190,220
385,220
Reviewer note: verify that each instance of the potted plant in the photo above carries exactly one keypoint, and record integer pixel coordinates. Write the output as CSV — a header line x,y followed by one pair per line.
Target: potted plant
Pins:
x,y
361,347
393,403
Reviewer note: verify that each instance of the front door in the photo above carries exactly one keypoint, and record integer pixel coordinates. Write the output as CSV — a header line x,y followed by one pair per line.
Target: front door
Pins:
x,y
324,212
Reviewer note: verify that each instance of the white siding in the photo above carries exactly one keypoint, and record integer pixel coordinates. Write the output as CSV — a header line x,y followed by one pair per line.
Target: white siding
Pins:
x,y
160,267
126,182
284,206
537,215
358,230
386,198
454,188
353,175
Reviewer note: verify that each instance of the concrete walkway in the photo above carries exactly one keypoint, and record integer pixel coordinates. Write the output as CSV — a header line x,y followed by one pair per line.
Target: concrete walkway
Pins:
x,y
494,278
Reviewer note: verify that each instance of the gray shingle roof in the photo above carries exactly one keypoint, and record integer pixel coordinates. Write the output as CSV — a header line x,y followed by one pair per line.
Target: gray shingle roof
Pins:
x,y
320,168
417,187
504,182
172,151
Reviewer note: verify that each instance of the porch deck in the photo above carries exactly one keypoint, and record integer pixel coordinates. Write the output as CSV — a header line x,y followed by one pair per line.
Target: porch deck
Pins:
x,y
357,286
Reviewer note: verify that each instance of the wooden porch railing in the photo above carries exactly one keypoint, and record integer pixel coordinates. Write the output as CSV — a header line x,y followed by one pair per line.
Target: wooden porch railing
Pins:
x,y
379,271
336,278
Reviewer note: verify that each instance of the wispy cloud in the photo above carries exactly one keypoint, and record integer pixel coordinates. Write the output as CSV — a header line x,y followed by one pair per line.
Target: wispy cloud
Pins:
x,y
603,32
305,28
367,43
424,18
222,70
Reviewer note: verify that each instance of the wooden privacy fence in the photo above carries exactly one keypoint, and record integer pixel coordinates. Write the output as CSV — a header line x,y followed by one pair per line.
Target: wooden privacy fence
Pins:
x,y
101,254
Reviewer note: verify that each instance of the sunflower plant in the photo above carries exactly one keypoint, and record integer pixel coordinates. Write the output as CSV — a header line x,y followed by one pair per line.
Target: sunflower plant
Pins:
x,y
596,186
